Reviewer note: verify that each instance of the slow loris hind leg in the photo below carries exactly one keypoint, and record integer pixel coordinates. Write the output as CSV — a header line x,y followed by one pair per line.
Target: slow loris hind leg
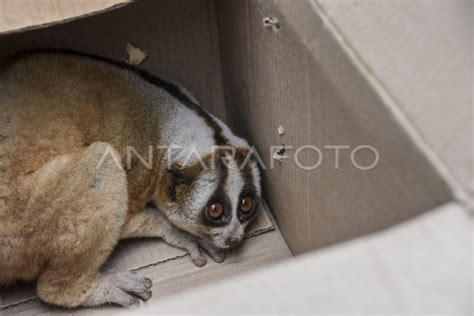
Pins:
x,y
85,197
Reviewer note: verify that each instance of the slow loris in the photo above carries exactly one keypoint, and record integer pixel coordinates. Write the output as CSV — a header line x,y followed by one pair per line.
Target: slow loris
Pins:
x,y
93,151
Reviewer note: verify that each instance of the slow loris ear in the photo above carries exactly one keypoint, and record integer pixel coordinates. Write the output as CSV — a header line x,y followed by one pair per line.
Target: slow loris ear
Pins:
x,y
177,182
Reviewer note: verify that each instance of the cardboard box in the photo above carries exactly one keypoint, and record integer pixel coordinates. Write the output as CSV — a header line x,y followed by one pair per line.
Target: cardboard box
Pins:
x,y
260,66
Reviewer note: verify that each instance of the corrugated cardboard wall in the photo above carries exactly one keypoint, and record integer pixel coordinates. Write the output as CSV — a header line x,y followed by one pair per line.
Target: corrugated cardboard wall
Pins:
x,y
299,77
179,37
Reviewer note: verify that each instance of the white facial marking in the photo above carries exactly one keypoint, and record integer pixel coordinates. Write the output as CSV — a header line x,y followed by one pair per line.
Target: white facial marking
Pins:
x,y
191,135
256,177
233,187
234,184
207,183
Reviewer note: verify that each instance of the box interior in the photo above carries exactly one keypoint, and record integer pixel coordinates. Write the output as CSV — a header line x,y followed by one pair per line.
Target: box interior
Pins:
x,y
258,78
304,76
181,43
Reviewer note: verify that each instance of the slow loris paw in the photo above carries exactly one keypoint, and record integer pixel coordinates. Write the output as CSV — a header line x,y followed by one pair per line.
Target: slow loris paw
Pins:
x,y
199,261
216,254
124,289
189,243
134,283
195,254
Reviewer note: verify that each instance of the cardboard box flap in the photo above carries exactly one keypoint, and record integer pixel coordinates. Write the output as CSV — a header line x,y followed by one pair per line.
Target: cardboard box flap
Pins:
x,y
134,254
19,15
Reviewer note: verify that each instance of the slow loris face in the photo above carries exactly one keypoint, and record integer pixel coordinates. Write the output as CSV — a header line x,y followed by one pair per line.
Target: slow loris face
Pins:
x,y
213,201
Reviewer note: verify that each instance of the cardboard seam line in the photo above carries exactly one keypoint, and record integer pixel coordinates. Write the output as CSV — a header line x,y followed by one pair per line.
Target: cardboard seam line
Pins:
x,y
249,235
4,308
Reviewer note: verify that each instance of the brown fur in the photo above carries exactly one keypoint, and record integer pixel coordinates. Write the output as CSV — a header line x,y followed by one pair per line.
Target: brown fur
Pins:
x,y
60,215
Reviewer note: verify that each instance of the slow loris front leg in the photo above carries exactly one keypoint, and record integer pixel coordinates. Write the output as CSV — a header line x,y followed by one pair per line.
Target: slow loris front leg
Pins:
x,y
151,222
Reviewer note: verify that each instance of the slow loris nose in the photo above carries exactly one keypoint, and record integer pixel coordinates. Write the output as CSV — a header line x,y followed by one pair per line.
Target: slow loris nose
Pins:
x,y
232,241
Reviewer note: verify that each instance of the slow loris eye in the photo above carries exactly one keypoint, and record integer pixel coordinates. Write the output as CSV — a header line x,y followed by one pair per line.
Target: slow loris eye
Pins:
x,y
215,210
246,205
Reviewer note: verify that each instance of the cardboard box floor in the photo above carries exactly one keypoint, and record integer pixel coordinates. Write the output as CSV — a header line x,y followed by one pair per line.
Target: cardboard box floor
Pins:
x,y
170,269
421,267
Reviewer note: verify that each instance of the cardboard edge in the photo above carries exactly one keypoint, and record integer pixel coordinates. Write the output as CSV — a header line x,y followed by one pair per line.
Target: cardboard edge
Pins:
x,y
67,20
